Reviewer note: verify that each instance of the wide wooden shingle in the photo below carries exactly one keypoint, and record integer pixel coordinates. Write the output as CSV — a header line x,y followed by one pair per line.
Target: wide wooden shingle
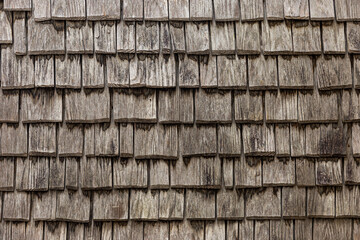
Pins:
x,y
179,10
156,11
197,38
347,10
79,37
13,140
228,10
147,37
230,204
332,228
103,9
16,206
222,38
353,37
172,204
248,106
9,106
281,106
306,37
201,10
95,173
252,10
278,172
42,10
263,203
201,204
68,10
262,72
277,37
73,206
334,34
231,72
144,205
17,5
105,37
296,9
247,37
130,173
198,140
68,71
42,139
321,202
32,174
111,205
295,72
258,140
322,10
275,9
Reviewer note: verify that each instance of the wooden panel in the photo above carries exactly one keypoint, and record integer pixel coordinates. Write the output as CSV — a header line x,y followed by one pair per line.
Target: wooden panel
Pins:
x,y
128,230
228,10
44,206
130,173
248,172
188,71
55,230
321,202
277,37
147,37
200,204
171,204
126,140
353,37
215,230
103,9
222,38
70,140
263,203
282,140
334,34
13,140
42,140
135,105
295,72
197,38
230,204
57,173
201,10
79,37
293,202
137,69
213,106
105,37
68,71
7,174
328,172
187,230
32,174
229,140
42,11
262,73
296,9
275,9
322,10
156,11
198,140
156,141
16,206
9,106
6,21
259,140
248,37
305,172
281,106
125,32
332,228
20,42
278,171
91,107
317,107
281,229
44,71
252,10
347,198
95,173
231,72
50,41
93,71
72,173
248,106
111,205
17,5
208,71
306,37
156,230
179,10
177,36
68,10
144,205
196,172
117,71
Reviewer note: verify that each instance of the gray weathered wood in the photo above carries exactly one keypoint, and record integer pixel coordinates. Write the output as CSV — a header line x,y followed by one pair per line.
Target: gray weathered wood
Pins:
x,y
137,69
144,205
32,174
156,11
215,230
328,172
321,202
263,203
133,10
229,140
317,107
228,10
306,37
7,174
296,9
90,107
322,10
6,22
187,230
72,173
281,106
196,172
247,37
246,229
156,230
201,10
9,106
13,141
79,37
130,173
92,230
228,171
103,9
68,71
357,72
44,206
222,38
46,38
303,229
295,72
106,140
293,202
281,229
111,205
356,229
42,139
262,72
75,231
128,230
135,105
165,39
68,10
57,173
105,37
93,71
179,10
259,140
177,37
231,72
347,201
16,206
171,204
248,172
95,173
70,140
347,11
353,37
332,228
160,71
125,32
277,37
198,140
55,230
334,34
200,204
275,10
355,143
305,172
17,5
261,229
232,230
20,41
147,37
126,140
252,10
351,170
42,11
117,71
248,106
197,38
188,72
44,71
156,141
230,204
282,138
278,172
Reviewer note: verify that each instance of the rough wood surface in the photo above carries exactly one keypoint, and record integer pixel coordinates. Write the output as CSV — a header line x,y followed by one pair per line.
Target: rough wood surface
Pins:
x,y
187,230
293,202
228,10
126,140
229,140
57,173
16,206
198,140
278,172
111,205
246,229
321,202
9,106
68,71
55,230
230,204
263,203
44,206
259,140
248,172
79,37
137,71
222,38
130,173
252,10
17,5
6,22
42,140
306,37
208,72
248,106
261,229
160,71
295,72
147,37
19,26
262,72
156,11
282,140
247,37
296,9
157,230
103,10
125,35
129,230
200,204
228,172
133,10
106,140
32,174
144,205
105,37
188,72
177,37
334,34
322,10
179,10
231,72
93,71
72,173
44,71
68,10
281,106
7,172
305,172
277,37
172,204
353,37
347,198
201,10
328,172
332,228
13,141
275,9
197,38
42,11
95,173
117,71
165,39
281,229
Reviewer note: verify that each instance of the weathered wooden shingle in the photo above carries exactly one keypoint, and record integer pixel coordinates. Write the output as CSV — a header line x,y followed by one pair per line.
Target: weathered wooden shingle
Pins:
x,y
159,174
258,140
188,71
106,139
177,37
16,206
262,72
277,37
201,10
19,26
248,172
44,71
103,9
72,173
156,11
7,172
328,172
334,35
200,204
126,140
128,230
156,230
42,11
222,38
275,10
305,172
353,37
281,106
293,202
6,22
282,138
9,106
321,202
32,174
79,37
248,106
263,203
322,10
347,10
296,9
179,10
68,10
105,37
297,138
44,206
68,71
247,37
55,230
57,173
229,140
252,10
13,140
332,228
306,37
147,37
215,230
160,71
197,38
198,140
278,171
208,71
228,10
95,173
73,206
144,205
347,198
231,72
93,73
42,139
111,205
230,204
117,71
355,130
130,173
171,204
281,229
125,32
17,5
295,72
137,70
187,230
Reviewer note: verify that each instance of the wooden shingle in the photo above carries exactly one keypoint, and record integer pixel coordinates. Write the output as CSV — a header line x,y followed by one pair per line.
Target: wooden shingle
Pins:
x,y
144,205
297,138
281,229
258,140
42,139
222,38
9,106
32,174
332,228
177,36
347,10
106,140
208,71
248,172
117,71
321,202
179,10
278,172
246,229
198,140
19,26
68,71
197,38
7,171
262,72
231,72
232,230
282,138
76,231
261,229
160,71
295,72
201,10
328,172
159,174
229,140
347,198
228,171
334,33
353,37
44,206
68,10
126,140
93,73
111,205
230,204
103,9
322,10
41,10
6,22
57,173
16,206
165,39
252,10
277,37
17,5
201,204
156,11
281,106
248,106
263,203
95,173
72,173
172,204
130,173
137,71
305,172
187,230
275,10
73,206
79,37
147,37
355,143
44,71
156,230
55,230
247,37
13,140
228,10
215,230
128,230
105,37
125,35
306,37
133,10
293,202
296,9
188,71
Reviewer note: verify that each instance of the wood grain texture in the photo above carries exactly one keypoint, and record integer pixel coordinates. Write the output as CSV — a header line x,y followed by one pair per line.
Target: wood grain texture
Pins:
x,y
246,229
262,72
296,9
44,71
282,140
160,71
281,229
57,173
275,9
201,204
179,10
32,174
19,26
293,202
305,172
231,72
42,139
79,37
303,229
263,203
230,204
228,171
165,39
295,72
125,35
111,205
129,230
322,10
13,141
147,37
248,172
188,71
75,231
105,37
252,10
144,205
68,71
215,230
347,198
348,11
355,144
261,229
137,69
7,173
55,230
17,5
42,10
130,173
259,140
106,140
172,204
16,206
6,22
187,230
328,172
68,10
281,106
177,37
9,106
277,37
278,172
117,71
198,140
133,10
201,10
306,38
197,38
228,10
222,38
103,10
126,140
208,71
93,75
156,230
95,173
248,106
334,34
156,11
72,173
321,202
247,37
353,37
229,140
44,206
336,228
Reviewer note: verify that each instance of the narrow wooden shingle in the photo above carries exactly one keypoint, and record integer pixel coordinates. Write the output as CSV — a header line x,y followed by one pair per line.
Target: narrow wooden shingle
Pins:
x,y
353,37
252,10
262,72
197,38
179,10
322,10
57,173
68,10
297,136
44,71
296,9
105,37
222,38
305,172
79,37
165,39
156,11
228,10
42,11
9,106
229,140
137,71
6,21
68,71
263,203
125,37
130,173
247,37
334,35
19,26
258,140
17,5
7,171
106,140
275,10
177,35
208,71
42,140
13,140
159,174
117,71
201,10
93,75
201,204
147,37
126,140
282,138
188,71
160,71
103,9
281,106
